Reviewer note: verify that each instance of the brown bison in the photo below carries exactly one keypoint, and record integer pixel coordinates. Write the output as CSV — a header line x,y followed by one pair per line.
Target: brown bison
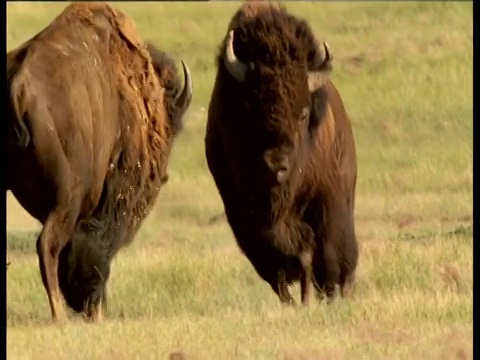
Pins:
x,y
280,148
92,116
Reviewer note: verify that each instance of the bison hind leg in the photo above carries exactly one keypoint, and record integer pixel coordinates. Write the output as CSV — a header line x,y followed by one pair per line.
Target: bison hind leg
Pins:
x,y
58,228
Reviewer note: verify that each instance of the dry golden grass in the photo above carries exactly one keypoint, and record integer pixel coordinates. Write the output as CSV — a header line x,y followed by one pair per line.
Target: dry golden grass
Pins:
x,y
184,291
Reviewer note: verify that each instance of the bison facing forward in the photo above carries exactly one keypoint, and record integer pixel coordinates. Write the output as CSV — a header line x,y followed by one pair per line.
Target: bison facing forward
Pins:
x,y
280,148
92,116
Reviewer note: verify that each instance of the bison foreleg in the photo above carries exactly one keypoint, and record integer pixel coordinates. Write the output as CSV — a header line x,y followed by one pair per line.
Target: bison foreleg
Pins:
x,y
347,286
349,263
337,222
306,276
94,307
281,289
332,271
319,277
94,312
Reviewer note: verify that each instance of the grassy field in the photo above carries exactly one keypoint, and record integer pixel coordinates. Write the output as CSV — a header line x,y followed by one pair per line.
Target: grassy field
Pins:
x,y
405,73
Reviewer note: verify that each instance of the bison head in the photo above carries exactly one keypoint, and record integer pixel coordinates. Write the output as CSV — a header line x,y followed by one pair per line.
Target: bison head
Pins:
x,y
82,274
279,102
177,99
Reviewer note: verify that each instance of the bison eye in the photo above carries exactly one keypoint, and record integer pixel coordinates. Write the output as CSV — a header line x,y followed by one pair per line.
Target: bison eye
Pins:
x,y
304,115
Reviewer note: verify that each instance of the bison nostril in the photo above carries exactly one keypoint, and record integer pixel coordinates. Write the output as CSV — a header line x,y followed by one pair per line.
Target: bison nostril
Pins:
x,y
282,174
278,165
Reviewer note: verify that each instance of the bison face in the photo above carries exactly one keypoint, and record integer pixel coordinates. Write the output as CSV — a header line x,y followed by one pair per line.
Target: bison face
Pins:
x,y
82,276
287,153
278,104
279,113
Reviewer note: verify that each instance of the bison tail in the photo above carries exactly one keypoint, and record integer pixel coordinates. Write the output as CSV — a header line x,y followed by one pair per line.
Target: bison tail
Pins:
x,y
17,115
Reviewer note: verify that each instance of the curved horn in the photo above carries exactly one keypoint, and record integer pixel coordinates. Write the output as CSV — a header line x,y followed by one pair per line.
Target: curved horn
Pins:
x,y
183,100
316,79
234,66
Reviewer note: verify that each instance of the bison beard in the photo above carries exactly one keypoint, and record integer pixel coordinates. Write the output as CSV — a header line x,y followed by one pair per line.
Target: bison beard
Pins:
x,y
92,118
83,272
280,148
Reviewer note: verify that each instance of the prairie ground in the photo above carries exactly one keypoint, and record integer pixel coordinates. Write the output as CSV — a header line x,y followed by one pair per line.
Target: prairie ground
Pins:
x,y
405,73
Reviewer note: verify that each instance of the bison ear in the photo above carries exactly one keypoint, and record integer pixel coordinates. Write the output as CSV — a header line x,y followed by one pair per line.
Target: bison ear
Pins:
x,y
318,78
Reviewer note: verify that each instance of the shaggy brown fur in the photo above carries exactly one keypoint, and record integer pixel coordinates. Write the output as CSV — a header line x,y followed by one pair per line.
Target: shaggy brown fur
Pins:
x,y
283,159
89,133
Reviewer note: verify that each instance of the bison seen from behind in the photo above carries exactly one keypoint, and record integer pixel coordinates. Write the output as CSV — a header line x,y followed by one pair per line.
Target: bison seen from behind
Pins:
x,y
280,148
92,116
